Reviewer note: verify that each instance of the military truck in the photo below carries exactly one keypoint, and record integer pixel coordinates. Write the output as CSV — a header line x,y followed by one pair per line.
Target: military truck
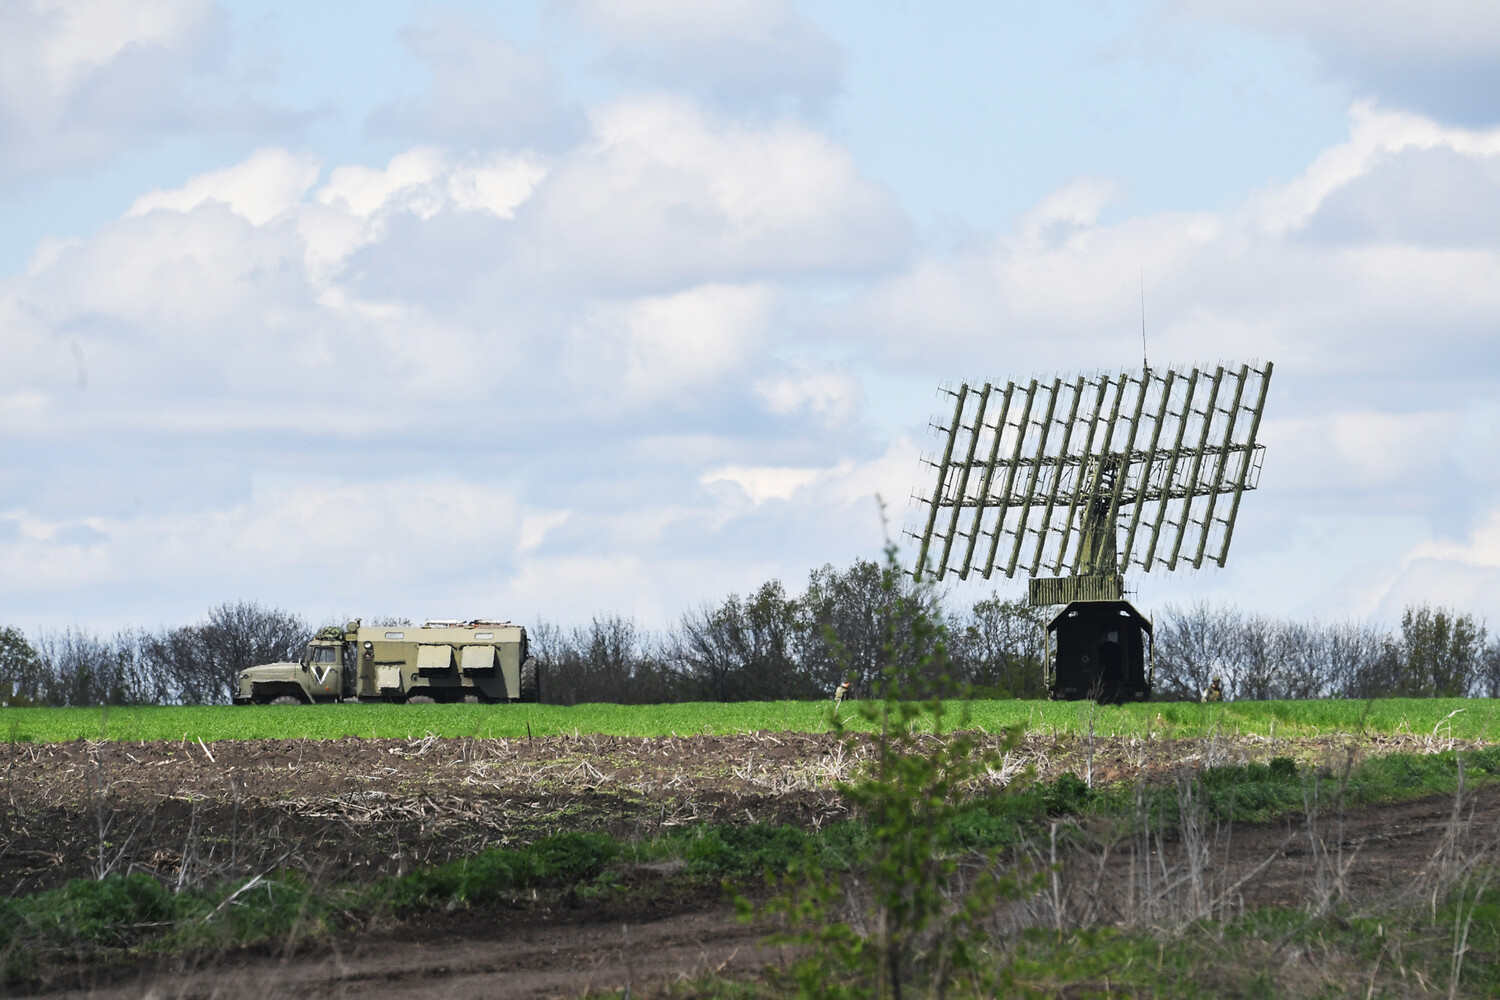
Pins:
x,y
439,661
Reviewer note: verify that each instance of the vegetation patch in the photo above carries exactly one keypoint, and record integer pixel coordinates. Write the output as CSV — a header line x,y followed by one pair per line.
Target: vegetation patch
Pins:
x,y
491,874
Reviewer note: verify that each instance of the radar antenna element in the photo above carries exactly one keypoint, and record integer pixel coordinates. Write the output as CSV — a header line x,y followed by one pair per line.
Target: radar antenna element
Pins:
x,y
1086,477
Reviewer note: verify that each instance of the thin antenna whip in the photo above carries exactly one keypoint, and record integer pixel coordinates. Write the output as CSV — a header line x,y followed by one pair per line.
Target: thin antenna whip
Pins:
x,y
1145,367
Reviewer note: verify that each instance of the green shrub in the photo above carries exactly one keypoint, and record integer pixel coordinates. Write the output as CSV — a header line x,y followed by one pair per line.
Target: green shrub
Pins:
x,y
282,907
1067,795
1283,767
726,850
84,911
488,875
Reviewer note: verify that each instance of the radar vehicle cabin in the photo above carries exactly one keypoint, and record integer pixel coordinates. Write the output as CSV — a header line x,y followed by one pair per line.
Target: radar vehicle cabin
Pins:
x,y
1100,650
439,661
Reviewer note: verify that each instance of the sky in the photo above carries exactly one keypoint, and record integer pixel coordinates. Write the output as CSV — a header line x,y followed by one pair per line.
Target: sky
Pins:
x,y
543,310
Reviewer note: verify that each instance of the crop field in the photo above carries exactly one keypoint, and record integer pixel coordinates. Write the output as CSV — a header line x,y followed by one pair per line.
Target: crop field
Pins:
x,y
513,843
1475,719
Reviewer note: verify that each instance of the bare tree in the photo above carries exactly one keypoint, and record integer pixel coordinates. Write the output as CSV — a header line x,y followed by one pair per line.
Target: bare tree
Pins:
x,y
1194,645
197,664
1357,654
242,634
1272,658
1302,661
854,620
82,668
178,665
610,660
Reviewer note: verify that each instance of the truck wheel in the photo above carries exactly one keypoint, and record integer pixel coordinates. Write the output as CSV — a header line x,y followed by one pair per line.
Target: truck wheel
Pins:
x,y
531,686
420,699
286,699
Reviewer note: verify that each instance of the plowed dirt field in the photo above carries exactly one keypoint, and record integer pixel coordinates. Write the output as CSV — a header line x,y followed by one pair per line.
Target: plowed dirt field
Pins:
x,y
360,809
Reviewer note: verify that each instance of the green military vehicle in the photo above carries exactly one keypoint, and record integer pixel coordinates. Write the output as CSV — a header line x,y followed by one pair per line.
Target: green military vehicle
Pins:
x,y
474,661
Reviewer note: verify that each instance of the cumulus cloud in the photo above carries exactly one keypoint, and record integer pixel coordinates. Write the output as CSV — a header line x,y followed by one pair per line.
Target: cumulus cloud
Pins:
x,y
1422,197
662,196
762,483
1376,135
744,53
1261,280
1462,572
247,369
1440,57
685,351
261,188
1073,207
829,396
666,192
485,92
673,349
82,80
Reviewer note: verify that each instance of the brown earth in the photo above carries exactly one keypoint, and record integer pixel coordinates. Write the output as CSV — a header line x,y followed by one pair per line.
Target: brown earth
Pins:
x,y
364,808
358,809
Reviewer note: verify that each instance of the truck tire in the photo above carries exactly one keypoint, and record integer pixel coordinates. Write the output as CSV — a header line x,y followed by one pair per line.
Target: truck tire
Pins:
x,y
420,699
286,699
531,682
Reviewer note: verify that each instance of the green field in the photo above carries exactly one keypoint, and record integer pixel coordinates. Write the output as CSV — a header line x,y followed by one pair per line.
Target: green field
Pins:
x,y
1464,718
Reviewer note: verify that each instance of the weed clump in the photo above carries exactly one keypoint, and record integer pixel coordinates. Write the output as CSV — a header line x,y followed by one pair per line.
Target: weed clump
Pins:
x,y
738,850
490,874
85,912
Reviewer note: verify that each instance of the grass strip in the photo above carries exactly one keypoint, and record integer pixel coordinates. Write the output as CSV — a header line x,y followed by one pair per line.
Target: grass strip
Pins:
x,y
1460,718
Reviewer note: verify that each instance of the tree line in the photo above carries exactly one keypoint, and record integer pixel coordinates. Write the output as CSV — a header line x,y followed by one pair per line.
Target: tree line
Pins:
x,y
187,665
1436,652
770,645
776,644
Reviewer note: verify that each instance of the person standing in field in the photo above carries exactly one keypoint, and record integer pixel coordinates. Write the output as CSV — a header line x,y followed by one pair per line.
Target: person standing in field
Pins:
x,y
1215,691
840,693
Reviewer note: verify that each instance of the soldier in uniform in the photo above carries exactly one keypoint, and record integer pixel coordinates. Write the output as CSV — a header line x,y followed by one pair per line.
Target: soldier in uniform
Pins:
x,y
840,693
1215,691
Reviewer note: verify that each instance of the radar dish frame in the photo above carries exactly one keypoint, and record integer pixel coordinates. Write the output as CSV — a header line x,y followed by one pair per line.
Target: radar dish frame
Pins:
x,y
1145,455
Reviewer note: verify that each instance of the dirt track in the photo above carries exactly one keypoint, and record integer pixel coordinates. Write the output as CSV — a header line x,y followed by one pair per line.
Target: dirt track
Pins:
x,y
514,959
354,809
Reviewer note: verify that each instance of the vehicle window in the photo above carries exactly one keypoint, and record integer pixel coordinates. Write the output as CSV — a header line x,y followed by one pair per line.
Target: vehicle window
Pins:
x,y
325,654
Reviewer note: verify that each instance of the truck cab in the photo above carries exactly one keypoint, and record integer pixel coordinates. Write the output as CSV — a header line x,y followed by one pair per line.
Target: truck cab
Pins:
x,y
320,674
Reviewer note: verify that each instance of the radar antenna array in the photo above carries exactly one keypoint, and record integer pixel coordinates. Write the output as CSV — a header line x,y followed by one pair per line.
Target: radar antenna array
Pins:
x,y
1092,475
